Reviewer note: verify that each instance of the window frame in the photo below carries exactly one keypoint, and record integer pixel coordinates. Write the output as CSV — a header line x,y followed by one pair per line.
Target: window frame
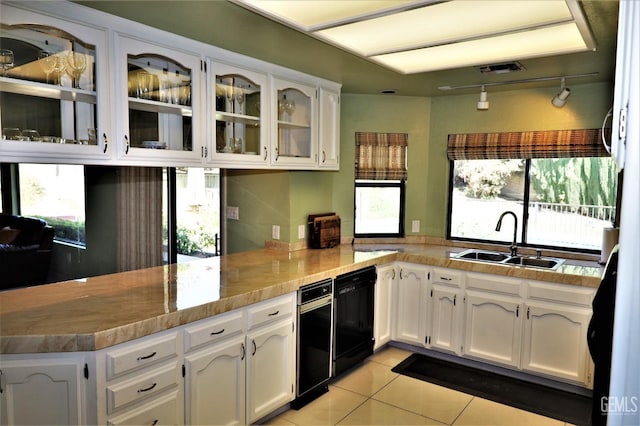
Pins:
x,y
525,215
401,184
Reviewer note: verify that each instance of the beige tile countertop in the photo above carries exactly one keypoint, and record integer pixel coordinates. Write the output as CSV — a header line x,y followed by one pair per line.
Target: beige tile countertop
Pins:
x,y
98,312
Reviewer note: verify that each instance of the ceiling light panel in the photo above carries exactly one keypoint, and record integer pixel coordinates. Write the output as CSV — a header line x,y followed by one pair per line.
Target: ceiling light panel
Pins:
x,y
443,23
560,39
306,15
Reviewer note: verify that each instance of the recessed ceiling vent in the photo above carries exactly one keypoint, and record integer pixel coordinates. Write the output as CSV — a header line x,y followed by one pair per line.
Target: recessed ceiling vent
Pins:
x,y
502,68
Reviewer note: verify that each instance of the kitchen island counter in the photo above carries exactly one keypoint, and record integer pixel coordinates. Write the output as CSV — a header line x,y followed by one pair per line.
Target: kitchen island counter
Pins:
x,y
98,312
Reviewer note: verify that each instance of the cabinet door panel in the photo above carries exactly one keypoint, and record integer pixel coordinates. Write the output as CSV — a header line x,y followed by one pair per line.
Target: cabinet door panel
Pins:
x,y
493,328
410,322
555,341
382,319
215,384
445,318
41,393
329,128
270,369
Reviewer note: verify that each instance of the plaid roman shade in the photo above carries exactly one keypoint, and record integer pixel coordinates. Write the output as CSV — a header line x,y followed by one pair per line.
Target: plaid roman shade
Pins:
x,y
536,144
381,156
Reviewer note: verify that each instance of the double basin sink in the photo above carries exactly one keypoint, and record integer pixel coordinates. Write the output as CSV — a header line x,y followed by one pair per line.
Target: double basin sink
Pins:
x,y
549,263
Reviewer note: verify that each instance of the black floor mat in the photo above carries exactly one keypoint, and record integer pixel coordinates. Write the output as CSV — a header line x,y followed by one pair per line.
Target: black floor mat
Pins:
x,y
536,398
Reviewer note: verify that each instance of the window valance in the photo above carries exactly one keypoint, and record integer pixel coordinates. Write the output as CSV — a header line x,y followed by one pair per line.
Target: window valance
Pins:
x,y
536,144
381,156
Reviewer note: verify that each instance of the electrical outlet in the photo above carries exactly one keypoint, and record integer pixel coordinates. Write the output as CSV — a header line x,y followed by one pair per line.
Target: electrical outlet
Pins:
x,y
415,226
232,213
300,232
275,232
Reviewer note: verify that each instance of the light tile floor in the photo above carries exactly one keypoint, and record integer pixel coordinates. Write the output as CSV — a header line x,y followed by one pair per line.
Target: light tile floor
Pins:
x,y
374,395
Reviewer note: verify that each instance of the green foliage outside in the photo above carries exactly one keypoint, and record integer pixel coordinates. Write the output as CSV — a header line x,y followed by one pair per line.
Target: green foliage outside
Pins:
x,y
190,241
66,230
484,178
577,181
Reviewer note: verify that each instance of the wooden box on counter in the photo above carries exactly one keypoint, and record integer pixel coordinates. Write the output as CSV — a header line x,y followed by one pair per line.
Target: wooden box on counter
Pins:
x,y
324,230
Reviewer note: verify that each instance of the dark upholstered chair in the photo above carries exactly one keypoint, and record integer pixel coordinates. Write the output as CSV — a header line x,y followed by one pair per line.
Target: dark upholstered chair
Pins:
x,y
25,251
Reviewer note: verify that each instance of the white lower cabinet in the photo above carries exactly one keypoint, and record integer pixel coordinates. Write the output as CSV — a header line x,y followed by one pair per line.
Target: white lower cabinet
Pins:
x,y
555,331
382,318
410,305
42,389
215,384
493,328
240,366
270,369
445,310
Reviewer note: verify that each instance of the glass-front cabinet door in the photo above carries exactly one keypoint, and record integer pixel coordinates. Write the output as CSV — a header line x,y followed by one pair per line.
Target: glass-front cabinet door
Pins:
x,y
160,114
54,93
238,104
294,109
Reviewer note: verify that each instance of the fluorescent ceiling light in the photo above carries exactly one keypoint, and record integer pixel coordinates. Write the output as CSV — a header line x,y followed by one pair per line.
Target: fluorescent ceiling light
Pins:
x,y
529,44
428,35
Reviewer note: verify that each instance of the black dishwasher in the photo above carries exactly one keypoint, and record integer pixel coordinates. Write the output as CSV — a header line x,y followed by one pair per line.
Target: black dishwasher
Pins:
x,y
314,341
353,318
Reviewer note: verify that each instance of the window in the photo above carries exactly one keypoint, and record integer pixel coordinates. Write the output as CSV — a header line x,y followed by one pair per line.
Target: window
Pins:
x,y
380,184
560,202
55,193
197,204
379,208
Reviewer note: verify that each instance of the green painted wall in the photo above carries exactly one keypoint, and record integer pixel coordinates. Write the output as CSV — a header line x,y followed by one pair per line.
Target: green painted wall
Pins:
x,y
286,198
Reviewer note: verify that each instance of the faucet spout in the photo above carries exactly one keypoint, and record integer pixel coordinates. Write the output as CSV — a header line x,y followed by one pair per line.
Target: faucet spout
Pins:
x,y
514,245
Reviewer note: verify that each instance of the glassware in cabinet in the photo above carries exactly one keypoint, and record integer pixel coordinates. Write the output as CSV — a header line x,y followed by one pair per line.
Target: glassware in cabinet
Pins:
x,y
162,116
51,82
240,134
295,109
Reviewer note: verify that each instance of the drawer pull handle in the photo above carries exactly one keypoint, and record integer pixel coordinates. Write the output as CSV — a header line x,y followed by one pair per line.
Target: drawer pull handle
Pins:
x,y
151,355
243,351
215,333
255,348
273,314
445,279
147,389
155,422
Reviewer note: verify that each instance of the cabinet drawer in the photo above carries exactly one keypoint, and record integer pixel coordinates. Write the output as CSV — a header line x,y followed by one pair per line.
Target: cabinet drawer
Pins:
x,y
573,295
161,411
142,386
213,329
270,310
496,284
138,355
447,276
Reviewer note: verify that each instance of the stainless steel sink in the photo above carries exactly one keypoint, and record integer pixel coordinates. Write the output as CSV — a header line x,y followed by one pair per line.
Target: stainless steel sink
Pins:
x,y
545,262
482,255
505,259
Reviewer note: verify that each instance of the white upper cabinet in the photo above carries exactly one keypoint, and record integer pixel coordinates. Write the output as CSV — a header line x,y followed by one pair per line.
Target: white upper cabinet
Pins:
x,y
329,128
158,92
238,111
294,131
54,94
122,93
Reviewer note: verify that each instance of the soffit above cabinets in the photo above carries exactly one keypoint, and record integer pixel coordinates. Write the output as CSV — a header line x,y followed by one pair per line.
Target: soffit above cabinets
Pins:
x,y
430,35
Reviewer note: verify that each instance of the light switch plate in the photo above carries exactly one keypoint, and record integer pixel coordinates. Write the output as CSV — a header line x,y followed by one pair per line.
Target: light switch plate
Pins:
x,y
232,213
275,232
415,226
300,232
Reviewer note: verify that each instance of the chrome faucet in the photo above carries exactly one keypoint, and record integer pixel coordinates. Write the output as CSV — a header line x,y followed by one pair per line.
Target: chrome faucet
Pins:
x,y
514,246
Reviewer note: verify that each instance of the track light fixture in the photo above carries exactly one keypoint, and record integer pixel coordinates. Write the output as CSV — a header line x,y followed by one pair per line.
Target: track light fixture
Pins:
x,y
561,98
483,103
